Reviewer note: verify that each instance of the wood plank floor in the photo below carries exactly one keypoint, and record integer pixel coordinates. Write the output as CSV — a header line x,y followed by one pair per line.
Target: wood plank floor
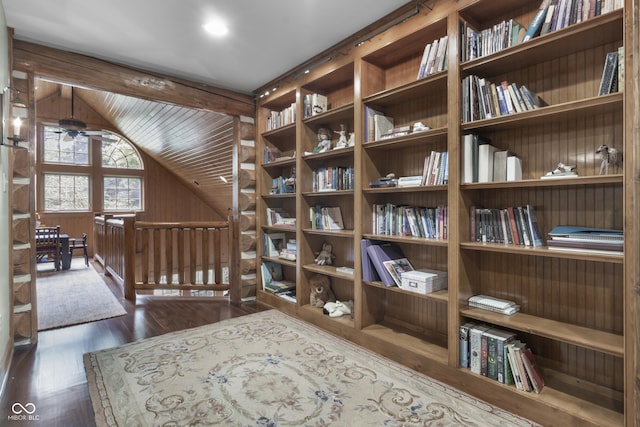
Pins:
x,y
51,373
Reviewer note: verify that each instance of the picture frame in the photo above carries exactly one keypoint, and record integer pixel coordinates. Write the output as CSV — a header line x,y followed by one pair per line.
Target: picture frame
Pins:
x,y
274,243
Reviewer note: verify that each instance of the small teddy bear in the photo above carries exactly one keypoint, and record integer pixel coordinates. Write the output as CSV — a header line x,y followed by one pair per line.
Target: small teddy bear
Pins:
x,y
321,292
325,257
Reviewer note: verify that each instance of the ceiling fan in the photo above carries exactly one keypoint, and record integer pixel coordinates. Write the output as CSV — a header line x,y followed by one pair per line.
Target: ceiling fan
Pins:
x,y
73,127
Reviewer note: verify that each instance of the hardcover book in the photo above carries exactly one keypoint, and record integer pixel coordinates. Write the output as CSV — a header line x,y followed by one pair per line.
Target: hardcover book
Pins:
x,y
381,253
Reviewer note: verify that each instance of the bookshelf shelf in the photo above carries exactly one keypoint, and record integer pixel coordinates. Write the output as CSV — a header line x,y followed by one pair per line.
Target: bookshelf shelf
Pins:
x,y
279,260
593,339
574,313
406,239
587,34
593,106
328,270
440,296
413,139
544,251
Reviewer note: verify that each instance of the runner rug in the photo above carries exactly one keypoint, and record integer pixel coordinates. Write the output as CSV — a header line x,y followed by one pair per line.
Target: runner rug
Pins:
x,y
74,296
269,369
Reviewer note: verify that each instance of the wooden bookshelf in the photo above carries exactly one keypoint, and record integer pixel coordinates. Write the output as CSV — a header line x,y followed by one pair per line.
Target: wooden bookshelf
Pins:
x,y
573,305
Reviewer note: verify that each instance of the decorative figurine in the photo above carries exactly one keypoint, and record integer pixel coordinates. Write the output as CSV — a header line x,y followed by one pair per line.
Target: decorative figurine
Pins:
x,y
352,139
324,141
326,256
610,156
420,127
342,140
561,171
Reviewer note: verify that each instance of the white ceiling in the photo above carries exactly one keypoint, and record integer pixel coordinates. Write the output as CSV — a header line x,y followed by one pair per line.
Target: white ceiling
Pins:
x,y
265,39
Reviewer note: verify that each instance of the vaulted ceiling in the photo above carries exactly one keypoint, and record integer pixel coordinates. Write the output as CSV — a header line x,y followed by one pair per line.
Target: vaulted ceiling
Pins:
x,y
192,144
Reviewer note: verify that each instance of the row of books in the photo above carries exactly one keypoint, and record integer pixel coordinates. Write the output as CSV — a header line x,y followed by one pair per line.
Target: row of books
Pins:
x,y
314,104
612,79
271,154
515,225
555,15
326,218
484,162
436,168
277,119
500,36
497,354
378,126
482,99
333,178
283,185
416,221
434,57
276,245
586,239
280,217
273,280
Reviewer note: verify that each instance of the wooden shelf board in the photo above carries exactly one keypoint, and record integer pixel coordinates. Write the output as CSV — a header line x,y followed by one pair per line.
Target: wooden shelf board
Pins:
x,y
596,105
604,342
328,270
416,189
316,312
413,139
274,300
328,193
409,91
340,152
282,228
278,260
344,112
279,196
337,233
407,239
593,32
580,180
281,131
544,251
553,398
278,163
440,296
400,337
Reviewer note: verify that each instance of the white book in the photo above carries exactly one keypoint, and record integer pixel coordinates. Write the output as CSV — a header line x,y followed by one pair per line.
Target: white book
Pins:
x,y
468,159
382,124
485,162
514,168
475,347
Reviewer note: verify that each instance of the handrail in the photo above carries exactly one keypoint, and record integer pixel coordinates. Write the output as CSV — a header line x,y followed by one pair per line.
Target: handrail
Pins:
x,y
186,256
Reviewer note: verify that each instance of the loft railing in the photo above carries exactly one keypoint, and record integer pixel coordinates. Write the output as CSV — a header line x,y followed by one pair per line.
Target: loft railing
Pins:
x,y
189,257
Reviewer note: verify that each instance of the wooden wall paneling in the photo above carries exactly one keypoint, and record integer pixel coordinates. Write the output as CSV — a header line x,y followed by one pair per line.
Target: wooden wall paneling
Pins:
x,y
247,221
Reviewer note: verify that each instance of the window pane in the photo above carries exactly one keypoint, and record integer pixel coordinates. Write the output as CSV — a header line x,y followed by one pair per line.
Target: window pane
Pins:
x,y
66,192
122,193
59,147
120,154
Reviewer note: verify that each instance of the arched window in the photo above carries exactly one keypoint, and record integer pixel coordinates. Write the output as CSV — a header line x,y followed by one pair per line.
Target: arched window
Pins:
x,y
71,183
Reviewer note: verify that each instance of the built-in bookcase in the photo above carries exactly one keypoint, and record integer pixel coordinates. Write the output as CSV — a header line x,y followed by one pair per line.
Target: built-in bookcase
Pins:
x,y
573,311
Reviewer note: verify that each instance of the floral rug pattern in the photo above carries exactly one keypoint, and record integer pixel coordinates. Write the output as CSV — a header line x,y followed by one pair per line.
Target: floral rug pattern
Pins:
x,y
269,369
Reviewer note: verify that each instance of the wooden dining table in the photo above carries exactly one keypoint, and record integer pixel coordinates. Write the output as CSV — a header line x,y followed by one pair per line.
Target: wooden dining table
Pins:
x,y
65,255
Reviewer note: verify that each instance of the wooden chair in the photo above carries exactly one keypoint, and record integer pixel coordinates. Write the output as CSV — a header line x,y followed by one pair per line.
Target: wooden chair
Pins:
x,y
79,243
48,245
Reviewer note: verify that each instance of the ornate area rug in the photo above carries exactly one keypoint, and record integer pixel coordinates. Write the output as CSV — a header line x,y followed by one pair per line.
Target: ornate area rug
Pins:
x,y
269,369
74,296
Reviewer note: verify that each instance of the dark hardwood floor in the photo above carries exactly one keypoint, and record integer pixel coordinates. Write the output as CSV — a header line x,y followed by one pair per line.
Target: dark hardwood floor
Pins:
x,y
51,375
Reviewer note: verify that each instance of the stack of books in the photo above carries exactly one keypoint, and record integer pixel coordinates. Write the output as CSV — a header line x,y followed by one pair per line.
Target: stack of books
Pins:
x,y
586,239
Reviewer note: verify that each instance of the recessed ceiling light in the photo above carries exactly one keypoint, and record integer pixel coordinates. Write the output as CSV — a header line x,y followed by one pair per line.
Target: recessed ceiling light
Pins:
x,y
216,27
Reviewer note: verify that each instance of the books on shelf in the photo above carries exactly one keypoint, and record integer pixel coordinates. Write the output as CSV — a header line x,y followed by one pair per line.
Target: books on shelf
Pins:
x,y
538,20
382,126
345,269
479,43
434,58
586,239
484,162
400,220
379,254
609,79
333,178
326,218
436,169
290,251
396,267
515,225
283,185
481,99
272,154
279,217
273,279
497,305
369,272
273,243
314,104
277,119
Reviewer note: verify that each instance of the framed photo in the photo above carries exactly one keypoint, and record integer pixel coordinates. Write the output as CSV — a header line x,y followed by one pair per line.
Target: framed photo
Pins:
x,y
274,243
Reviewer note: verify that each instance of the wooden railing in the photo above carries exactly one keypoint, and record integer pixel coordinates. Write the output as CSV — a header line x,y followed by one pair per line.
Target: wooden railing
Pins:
x,y
190,257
